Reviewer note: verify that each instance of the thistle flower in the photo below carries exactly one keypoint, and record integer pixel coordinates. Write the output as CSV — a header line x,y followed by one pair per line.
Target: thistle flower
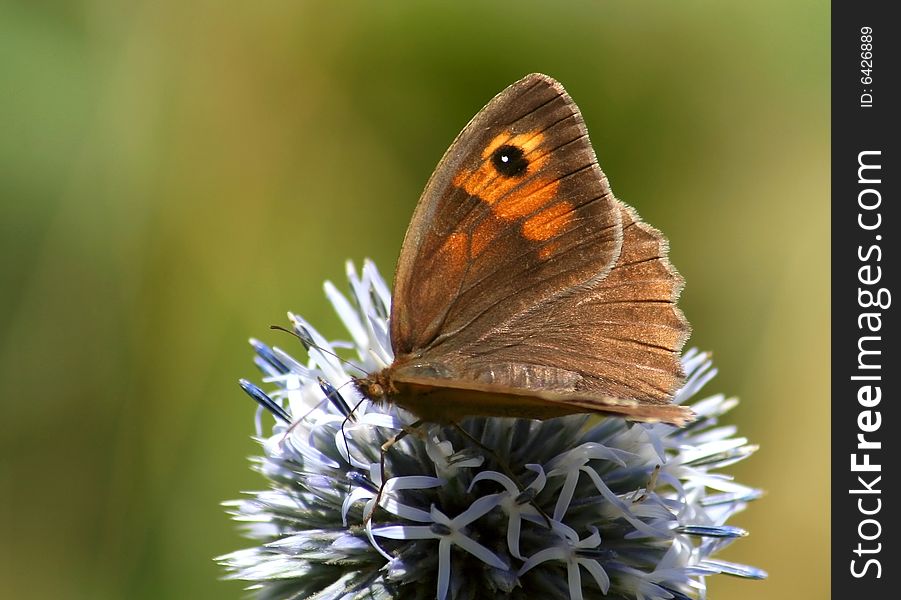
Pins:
x,y
574,507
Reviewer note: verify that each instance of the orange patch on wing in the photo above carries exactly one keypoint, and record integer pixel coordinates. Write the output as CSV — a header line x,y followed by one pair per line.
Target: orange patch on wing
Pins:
x,y
548,250
485,182
526,200
455,250
548,223
473,181
484,233
528,141
509,198
496,142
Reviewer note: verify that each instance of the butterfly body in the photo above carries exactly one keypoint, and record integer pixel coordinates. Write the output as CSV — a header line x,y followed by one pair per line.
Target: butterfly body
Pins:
x,y
524,288
448,402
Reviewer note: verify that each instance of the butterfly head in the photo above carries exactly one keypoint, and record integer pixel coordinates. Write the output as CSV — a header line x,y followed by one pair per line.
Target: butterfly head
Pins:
x,y
376,386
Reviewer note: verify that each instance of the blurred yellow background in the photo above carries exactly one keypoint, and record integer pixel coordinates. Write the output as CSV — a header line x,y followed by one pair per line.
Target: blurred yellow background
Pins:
x,y
175,176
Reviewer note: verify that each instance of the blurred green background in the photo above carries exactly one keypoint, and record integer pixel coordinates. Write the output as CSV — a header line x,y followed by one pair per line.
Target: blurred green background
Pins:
x,y
174,176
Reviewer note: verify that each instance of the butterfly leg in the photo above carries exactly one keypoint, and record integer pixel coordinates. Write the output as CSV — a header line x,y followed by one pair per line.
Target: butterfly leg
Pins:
x,y
350,417
407,430
649,488
504,467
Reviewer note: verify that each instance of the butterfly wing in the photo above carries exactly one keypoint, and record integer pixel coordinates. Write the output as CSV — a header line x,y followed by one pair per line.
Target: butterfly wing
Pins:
x,y
620,337
516,211
538,284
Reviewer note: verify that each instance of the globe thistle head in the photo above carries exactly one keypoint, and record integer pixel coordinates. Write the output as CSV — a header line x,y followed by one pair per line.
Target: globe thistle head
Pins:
x,y
573,507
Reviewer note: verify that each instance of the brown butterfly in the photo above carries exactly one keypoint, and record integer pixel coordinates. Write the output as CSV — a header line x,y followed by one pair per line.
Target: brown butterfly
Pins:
x,y
524,288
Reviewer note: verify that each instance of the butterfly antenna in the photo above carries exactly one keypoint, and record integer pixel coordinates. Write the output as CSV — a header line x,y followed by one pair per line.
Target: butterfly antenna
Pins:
x,y
333,396
307,340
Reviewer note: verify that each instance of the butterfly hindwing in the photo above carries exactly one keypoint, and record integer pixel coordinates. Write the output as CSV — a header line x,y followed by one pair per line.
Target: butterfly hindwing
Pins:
x,y
621,337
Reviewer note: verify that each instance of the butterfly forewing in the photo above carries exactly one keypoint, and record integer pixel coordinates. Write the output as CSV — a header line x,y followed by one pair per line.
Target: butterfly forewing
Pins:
x,y
524,288
517,210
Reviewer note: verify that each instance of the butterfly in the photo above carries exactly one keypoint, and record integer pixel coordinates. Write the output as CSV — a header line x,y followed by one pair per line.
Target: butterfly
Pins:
x,y
524,288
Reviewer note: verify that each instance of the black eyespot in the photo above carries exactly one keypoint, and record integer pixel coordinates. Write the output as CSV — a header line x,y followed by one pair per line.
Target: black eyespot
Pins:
x,y
510,161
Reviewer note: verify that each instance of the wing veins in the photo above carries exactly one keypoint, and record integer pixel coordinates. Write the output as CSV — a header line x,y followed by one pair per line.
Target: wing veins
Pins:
x,y
529,251
441,338
482,205
486,209
481,219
